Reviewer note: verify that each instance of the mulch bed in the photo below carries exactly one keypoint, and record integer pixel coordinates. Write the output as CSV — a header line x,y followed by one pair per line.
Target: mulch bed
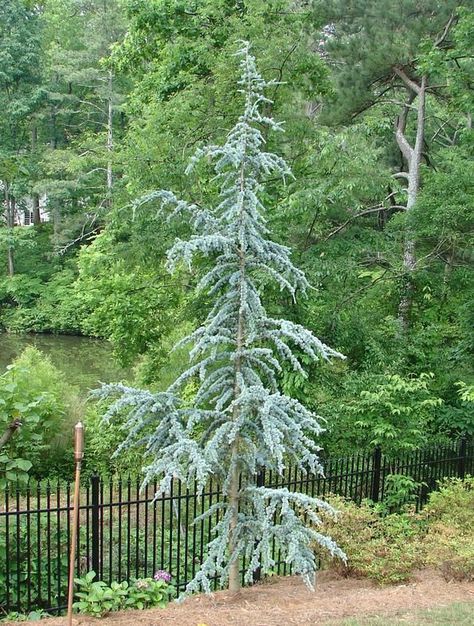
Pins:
x,y
287,602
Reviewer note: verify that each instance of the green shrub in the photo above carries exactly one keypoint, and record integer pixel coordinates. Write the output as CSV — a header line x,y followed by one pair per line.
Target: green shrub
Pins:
x,y
390,410
382,548
33,391
400,491
96,598
449,540
394,412
30,577
146,593
388,547
453,503
102,440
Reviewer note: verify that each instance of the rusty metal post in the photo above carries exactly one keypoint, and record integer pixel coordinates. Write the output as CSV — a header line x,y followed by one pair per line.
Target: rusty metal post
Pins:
x,y
78,456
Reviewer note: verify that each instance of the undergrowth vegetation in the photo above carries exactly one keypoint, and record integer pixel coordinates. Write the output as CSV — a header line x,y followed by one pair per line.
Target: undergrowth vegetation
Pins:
x,y
34,394
389,547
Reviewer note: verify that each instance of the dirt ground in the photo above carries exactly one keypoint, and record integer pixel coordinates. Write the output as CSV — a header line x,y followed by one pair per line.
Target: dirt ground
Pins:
x,y
287,602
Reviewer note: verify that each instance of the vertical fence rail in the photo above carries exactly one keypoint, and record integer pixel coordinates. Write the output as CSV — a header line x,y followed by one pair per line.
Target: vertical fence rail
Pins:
x,y
95,515
376,474
127,533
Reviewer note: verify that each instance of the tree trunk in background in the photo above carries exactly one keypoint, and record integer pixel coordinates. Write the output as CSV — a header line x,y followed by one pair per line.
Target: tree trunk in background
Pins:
x,y
10,208
35,196
110,142
36,210
413,157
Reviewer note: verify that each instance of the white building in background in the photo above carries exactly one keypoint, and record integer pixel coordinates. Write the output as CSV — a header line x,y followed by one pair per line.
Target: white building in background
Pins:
x,y
24,211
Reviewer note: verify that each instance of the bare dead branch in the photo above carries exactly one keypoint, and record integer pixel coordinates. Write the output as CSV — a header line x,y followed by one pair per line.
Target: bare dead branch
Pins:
x,y
401,175
84,236
445,31
408,81
11,429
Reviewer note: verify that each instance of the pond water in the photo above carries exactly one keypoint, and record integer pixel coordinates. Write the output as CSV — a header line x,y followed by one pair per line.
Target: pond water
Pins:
x,y
84,362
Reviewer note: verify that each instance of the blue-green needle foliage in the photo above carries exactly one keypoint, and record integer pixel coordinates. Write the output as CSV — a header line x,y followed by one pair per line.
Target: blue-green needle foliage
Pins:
x,y
239,421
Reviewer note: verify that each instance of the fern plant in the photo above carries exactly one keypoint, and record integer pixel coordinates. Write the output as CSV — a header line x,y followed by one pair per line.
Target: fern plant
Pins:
x,y
239,421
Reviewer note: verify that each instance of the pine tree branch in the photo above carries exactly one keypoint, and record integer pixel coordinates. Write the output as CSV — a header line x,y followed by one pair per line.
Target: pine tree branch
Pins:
x,y
371,103
375,209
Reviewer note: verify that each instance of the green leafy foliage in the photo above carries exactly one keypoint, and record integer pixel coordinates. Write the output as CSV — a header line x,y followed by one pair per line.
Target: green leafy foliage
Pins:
x,y
32,616
400,491
147,593
392,411
96,598
395,412
31,392
97,268
36,571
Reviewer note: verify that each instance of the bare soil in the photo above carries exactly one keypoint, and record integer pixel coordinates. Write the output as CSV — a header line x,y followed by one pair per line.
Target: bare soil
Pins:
x,y
287,602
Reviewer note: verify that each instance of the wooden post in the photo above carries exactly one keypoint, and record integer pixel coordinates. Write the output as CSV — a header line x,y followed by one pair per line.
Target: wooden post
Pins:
x,y
78,455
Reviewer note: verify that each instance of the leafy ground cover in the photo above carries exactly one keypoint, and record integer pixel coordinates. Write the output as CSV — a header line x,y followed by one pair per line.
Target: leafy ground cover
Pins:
x,y
429,599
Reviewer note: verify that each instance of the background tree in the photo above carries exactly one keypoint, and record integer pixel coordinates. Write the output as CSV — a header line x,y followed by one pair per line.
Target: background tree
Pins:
x,y
20,96
376,46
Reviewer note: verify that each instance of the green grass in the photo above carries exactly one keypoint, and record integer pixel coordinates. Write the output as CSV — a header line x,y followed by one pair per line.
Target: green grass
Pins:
x,y
453,615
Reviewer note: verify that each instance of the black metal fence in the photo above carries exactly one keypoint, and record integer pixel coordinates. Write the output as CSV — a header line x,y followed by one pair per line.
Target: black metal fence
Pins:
x,y
125,533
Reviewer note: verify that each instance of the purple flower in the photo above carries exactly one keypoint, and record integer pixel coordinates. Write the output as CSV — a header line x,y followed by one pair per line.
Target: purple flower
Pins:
x,y
161,574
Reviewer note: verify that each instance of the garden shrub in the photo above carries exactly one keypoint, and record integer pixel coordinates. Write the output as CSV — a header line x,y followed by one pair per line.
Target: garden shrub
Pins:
x,y
449,540
30,392
387,548
400,491
382,548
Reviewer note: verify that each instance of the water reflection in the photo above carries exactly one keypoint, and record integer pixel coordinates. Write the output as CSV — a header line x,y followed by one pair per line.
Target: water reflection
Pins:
x,y
85,362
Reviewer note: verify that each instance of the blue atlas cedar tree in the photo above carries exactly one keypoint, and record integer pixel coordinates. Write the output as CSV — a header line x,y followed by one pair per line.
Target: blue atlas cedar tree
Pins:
x,y
239,422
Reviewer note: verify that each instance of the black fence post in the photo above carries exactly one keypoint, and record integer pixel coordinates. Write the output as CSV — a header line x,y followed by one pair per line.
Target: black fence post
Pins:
x,y
95,524
257,575
376,474
462,457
